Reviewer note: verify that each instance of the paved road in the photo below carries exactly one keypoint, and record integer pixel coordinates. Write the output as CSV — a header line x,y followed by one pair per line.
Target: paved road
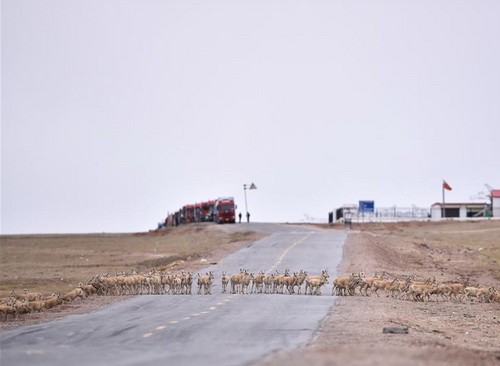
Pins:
x,y
222,329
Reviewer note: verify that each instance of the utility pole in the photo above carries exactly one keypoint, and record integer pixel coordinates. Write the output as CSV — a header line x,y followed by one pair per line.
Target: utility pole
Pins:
x,y
252,186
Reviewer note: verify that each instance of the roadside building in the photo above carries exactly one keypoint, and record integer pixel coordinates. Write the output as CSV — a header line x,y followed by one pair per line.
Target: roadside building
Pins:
x,y
460,210
495,202
346,211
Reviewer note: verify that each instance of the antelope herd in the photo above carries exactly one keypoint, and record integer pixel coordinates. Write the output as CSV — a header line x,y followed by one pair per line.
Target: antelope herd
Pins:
x,y
410,288
160,282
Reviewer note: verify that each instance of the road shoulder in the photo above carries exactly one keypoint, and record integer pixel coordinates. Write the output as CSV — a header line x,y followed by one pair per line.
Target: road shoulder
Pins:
x,y
440,333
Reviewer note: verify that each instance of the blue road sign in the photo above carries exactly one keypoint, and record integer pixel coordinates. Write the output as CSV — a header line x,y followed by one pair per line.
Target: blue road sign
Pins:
x,y
366,206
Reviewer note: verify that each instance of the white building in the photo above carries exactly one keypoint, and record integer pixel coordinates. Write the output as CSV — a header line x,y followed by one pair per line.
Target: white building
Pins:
x,y
460,210
495,202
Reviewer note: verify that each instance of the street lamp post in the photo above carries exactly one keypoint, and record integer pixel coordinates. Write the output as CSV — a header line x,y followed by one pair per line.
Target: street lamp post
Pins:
x,y
252,186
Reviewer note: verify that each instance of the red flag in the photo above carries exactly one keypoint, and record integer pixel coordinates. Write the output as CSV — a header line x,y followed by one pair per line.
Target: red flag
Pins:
x,y
446,186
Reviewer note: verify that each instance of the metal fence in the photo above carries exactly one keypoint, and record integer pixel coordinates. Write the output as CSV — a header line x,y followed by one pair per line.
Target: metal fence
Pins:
x,y
402,213
382,214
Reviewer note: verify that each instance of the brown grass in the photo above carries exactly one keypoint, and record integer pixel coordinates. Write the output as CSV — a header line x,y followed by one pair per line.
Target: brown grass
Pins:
x,y
452,245
57,263
445,241
440,332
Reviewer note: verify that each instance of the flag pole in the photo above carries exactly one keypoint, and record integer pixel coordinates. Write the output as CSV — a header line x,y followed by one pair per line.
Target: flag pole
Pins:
x,y
443,209
442,206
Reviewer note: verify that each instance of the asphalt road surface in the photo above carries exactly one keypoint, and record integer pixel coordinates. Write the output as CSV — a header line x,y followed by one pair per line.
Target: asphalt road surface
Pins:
x,y
219,329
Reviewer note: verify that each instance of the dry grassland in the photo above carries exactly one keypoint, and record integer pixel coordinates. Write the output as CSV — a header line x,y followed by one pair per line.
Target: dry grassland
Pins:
x,y
440,332
58,263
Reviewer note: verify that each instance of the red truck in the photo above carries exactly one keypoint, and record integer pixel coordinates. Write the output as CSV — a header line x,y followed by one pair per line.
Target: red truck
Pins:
x,y
207,211
224,210
189,211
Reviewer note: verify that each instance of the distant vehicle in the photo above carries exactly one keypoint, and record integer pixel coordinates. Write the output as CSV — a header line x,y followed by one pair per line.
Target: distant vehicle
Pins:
x,y
225,210
197,212
207,211
189,214
222,210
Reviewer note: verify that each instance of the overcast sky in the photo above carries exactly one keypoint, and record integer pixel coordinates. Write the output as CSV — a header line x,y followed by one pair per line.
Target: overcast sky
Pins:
x,y
115,113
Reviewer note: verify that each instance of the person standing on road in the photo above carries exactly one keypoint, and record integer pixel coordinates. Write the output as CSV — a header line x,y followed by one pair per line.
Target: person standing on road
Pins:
x,y
248,217
239,215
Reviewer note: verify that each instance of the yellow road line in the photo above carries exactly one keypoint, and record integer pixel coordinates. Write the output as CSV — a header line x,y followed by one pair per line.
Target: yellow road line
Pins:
x,y
282,256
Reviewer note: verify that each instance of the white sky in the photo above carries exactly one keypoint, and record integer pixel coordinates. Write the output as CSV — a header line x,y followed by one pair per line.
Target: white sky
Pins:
x,y
117,112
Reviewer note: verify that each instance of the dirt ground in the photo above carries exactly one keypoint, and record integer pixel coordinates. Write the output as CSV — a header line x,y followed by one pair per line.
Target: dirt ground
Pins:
x,y
58,263
440,333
